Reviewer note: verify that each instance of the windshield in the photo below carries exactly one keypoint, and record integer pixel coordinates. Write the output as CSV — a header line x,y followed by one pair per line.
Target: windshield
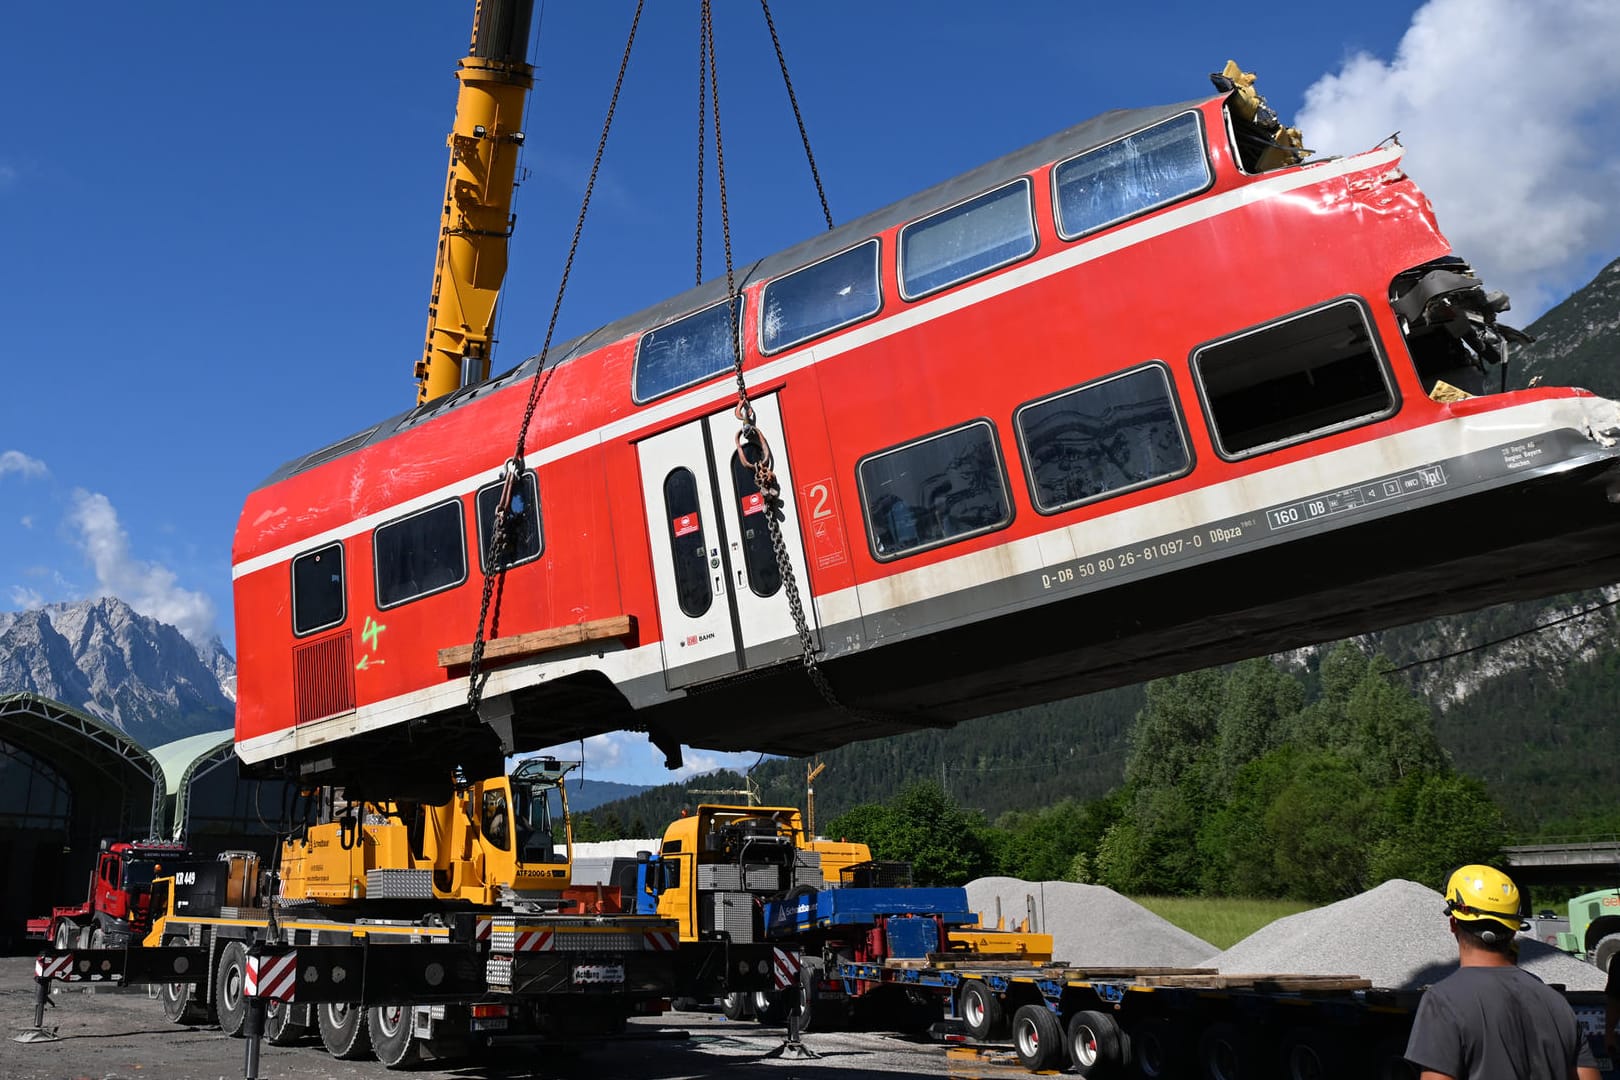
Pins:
x,y
541,822
137,875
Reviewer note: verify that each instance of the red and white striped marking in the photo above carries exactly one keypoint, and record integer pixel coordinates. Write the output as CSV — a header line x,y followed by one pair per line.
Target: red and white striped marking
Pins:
x,y
535,941
784,968
52,967
663,940
484,926
272,977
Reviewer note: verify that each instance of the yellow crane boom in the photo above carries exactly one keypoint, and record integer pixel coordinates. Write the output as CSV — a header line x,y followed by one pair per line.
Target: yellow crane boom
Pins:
x,y
477,219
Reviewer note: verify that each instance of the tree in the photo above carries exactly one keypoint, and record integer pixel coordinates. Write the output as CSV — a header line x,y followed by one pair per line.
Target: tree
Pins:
x,y
944,844
1322,821
1432,823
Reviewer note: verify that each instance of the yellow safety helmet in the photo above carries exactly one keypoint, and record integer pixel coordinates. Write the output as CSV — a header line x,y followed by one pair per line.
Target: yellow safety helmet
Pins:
x,y
1478,892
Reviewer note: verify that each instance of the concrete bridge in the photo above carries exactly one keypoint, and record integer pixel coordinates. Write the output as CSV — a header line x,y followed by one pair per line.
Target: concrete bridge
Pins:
x,y
1593,861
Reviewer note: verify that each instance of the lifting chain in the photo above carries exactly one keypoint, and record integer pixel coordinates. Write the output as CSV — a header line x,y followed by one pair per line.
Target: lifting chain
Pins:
x,y
489,607
749,435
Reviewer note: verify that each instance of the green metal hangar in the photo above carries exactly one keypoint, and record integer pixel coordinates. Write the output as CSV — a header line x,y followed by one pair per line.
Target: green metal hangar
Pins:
x,y
69,780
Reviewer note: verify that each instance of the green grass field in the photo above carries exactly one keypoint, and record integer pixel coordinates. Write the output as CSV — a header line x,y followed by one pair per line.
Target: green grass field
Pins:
x,y
1220,921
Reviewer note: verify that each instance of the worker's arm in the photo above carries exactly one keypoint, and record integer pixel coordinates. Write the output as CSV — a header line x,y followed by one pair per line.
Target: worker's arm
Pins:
x,y
1430,1074
1587,1072
1611,1013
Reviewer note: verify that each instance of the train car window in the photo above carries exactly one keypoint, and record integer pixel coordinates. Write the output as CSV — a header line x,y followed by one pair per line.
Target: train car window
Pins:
x,y
759,557
317,589
945,487
1141,172
421,554
1106,437
822,297
967,239
1297,379
524,541
688,543
685,352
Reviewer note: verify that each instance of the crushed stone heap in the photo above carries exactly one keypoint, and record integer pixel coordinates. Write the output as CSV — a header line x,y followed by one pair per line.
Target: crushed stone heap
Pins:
x,y
1395,935
1089,924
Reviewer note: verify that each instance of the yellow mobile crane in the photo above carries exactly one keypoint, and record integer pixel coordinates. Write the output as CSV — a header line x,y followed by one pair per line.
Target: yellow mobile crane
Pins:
x,y
476,221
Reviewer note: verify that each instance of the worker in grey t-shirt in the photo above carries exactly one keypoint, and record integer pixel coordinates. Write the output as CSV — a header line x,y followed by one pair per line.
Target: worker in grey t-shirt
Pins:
x,y
1491,1020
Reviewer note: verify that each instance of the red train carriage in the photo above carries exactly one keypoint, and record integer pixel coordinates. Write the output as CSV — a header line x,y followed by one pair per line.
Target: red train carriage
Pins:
x,y
1145,396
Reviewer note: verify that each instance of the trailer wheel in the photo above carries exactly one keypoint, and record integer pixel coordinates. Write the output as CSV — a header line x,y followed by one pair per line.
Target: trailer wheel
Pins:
x,y
343,1030
1222,1053
1156,1049
981,1011
1037,1037
229,979
1389,1060
1097,1046
280,1027
1313,1054
181,1001
735,1006
392,1039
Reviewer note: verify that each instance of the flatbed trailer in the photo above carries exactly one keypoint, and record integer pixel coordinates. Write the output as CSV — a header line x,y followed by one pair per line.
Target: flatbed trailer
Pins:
x,y
1169,1022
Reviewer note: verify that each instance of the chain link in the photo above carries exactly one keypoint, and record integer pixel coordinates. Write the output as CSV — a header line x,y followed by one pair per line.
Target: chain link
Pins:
x,y
489,607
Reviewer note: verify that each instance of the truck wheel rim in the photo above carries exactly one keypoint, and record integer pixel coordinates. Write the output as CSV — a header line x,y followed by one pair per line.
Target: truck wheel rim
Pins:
x,y
1085,1047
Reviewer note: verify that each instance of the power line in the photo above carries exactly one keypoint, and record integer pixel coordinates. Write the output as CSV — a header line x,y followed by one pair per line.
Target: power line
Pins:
x,y
1509,637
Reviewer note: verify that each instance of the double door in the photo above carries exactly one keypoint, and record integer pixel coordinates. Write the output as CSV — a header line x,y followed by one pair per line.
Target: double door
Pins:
x,y
721,596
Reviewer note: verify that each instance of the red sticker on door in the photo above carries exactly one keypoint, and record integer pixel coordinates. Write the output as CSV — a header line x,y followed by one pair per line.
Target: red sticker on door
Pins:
x,y
686,523
753,504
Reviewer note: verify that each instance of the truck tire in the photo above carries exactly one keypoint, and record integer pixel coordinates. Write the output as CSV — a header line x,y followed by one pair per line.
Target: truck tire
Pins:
x,y
1037,1038
281,1026
392,1038
343,1030
1157,1049
67,935
230,980
182,1002
980,1011
1223,1053
1604,953
736,1006
1097,1045
770,1007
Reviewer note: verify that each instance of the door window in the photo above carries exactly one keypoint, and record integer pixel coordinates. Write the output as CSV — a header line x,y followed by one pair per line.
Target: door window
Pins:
x,y
687,542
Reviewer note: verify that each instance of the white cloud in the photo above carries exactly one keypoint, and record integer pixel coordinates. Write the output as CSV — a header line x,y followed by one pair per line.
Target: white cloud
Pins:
x,y
627,757
149,588
26,521
26,599
15,461
1508,113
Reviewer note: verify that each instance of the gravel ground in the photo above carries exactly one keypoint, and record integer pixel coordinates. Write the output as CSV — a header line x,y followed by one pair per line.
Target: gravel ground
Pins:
x,y
121,1035
1089,924
1396,935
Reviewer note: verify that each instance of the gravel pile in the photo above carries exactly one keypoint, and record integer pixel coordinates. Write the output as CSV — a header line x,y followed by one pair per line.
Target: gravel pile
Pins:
x,y
1395,935
1090,925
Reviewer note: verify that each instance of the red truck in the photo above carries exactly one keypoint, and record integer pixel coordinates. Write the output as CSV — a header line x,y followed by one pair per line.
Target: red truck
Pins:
x,y
117,910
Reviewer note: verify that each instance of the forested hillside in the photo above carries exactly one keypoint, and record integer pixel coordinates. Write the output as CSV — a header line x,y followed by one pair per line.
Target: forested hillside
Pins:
x,y
1529,711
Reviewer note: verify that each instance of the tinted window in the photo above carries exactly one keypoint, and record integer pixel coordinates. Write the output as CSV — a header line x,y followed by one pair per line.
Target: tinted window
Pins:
x,y
420,554
942,488
687,542
759,556
1110,436
832,293
685,351
1293,380
955,244
523,541
1137,173
317,589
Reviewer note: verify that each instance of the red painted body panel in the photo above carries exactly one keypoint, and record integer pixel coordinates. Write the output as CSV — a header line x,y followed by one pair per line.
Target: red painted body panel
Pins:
x,y
1192,279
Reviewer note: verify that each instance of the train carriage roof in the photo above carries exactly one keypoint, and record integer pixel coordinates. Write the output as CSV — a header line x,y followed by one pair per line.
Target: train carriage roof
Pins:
x,y
1087,135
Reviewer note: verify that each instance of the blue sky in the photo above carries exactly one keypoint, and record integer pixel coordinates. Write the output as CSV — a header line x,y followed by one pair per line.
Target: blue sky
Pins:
x,y
219,220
